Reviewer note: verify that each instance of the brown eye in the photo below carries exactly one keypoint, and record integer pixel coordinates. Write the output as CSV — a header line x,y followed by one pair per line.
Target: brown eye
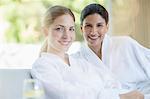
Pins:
x,y
72,29
88,25
58,29
99,25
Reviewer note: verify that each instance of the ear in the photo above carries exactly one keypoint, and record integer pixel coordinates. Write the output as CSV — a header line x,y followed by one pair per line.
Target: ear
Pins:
x,y
45,31
107,27
81,28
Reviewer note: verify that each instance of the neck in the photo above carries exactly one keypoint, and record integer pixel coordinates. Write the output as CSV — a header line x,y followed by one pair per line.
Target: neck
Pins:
x,y
61,54
56,52
97,50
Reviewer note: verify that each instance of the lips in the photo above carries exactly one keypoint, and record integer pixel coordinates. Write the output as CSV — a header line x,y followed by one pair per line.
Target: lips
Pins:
x,y
65,42
93,38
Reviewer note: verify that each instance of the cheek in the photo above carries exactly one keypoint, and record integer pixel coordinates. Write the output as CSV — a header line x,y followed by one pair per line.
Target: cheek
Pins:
x,y
85,36
105,30
53,37
73,36
56,35
102,32
85,33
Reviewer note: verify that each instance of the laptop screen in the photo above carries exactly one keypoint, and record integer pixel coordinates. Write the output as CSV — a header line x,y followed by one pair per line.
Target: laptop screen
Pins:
x,y
11,82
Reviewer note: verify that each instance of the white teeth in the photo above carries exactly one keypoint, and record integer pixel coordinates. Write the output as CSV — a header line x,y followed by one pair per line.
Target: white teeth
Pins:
x,y
93,38
64,42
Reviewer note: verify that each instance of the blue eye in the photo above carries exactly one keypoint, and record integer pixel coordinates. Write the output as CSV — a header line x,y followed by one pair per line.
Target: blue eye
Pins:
x,y
59,29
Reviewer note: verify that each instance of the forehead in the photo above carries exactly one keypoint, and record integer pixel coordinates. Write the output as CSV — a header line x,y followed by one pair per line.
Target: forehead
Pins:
x,y
94,18
66,20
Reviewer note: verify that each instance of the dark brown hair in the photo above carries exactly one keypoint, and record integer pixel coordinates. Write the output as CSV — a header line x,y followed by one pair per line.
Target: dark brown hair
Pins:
x,y
92,9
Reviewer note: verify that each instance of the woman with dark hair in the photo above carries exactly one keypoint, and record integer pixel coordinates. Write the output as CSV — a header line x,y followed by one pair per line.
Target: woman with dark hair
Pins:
x,y
76,76
123,56
68,76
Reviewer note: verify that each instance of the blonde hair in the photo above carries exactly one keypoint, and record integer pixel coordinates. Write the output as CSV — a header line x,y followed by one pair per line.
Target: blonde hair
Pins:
x,y
51,14
44,46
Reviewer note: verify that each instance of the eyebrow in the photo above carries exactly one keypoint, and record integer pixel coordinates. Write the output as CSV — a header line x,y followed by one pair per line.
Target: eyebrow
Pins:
x,y
60,25
101,23
64,26
96,23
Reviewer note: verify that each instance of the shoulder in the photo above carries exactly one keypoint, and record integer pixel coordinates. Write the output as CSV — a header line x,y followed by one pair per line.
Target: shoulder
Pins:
x,y
122,39
75,47
125,41
44,65
76,55
43,61
80,59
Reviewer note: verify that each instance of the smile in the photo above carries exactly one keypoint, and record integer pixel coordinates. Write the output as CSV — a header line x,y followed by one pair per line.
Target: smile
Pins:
x,y
93,38
64,42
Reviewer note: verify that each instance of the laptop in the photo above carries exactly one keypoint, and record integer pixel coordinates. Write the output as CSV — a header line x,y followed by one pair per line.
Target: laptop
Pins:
x,y
11,82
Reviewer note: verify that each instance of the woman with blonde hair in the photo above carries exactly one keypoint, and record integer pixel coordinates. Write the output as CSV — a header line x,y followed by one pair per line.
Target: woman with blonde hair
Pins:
x,y
71,76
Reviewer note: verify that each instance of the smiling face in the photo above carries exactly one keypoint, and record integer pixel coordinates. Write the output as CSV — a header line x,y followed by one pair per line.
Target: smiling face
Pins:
x,y
94,28
61,33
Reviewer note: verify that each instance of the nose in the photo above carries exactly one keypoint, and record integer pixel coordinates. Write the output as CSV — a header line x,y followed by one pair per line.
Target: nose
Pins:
x,y
65,34
94,31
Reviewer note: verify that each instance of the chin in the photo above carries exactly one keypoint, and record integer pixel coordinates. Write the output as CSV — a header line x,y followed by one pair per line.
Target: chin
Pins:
x,y
94,44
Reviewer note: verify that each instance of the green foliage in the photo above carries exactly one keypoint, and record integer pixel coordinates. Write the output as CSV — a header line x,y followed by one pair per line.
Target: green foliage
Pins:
x,y
23,17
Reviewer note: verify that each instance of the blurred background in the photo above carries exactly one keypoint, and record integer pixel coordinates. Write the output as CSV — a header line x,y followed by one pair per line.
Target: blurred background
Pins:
x,y
20,25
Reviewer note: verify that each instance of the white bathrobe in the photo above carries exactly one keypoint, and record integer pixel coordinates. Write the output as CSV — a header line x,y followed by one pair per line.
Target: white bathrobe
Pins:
x,y
126,59
79,80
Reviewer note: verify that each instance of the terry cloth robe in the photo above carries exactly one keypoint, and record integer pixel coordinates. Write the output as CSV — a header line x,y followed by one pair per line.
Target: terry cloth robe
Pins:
x,y
126,59
79,80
